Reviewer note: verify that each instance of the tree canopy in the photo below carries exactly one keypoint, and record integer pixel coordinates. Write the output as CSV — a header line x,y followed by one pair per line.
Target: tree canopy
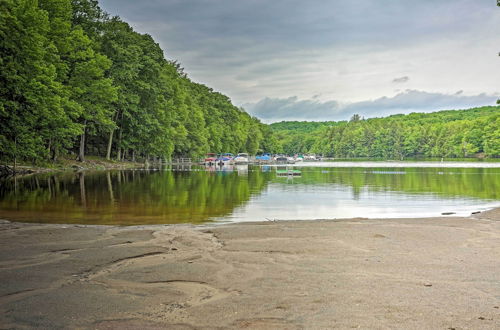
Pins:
x,y
75,81
452,133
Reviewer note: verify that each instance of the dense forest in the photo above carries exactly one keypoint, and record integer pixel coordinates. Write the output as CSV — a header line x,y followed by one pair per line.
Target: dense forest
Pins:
x,y
453,133
75,81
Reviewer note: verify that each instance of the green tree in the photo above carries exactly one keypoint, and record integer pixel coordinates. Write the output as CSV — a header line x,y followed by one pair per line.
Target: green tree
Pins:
x,y
31,99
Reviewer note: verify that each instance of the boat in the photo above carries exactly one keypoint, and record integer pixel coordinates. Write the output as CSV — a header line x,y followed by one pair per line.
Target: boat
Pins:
x,y
310,157
290,160
263,158
224,159
241,158
281,159
210,158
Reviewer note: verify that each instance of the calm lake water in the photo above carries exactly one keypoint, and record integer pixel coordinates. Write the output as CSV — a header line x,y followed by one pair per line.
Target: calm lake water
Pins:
x,y
195,194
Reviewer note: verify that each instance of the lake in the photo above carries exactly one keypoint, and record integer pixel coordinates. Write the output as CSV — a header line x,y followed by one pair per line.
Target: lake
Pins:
x,y
198,194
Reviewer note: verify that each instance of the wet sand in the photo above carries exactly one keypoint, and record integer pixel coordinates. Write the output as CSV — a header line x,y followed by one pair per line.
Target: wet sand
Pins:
x,y
433,273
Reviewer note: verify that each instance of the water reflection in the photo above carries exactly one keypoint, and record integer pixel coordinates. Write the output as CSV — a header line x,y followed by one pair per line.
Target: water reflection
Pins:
x,y
175,195
198,194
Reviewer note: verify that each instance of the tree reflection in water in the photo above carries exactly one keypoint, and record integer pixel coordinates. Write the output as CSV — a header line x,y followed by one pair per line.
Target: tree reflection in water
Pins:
x,y
193,194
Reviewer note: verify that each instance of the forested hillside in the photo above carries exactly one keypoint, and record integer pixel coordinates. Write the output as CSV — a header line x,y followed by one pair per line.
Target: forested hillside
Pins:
x,y
74,81
454,133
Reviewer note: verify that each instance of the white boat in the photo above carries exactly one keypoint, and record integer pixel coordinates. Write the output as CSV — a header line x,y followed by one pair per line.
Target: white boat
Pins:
x,y
241,158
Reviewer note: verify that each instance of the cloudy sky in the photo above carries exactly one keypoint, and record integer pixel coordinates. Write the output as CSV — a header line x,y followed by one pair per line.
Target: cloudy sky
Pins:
x,y
328,59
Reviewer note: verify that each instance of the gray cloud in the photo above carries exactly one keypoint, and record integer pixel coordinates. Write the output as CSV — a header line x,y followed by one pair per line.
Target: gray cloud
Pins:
x,y
299,23
401,80
272,110
342,50
292,107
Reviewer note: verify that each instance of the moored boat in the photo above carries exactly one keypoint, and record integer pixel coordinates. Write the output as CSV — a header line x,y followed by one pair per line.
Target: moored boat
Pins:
x,y
264,158
310,157
241,158
282,159
225,158
210,158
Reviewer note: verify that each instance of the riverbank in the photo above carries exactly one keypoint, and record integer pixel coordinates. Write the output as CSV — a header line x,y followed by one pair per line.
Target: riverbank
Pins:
x,y
66,164
439,273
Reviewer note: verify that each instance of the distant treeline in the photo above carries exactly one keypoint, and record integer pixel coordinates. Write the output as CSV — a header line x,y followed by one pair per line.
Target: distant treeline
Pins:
x,y
74,80
453,133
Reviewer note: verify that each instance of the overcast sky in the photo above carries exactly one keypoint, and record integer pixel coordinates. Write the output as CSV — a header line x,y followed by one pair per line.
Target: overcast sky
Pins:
x,y
325,60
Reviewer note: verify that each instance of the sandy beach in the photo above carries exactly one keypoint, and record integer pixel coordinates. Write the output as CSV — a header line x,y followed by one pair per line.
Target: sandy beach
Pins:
x,y
432,273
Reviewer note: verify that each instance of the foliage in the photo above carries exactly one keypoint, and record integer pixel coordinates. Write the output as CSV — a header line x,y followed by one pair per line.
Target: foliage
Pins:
x,y
453,133
76,81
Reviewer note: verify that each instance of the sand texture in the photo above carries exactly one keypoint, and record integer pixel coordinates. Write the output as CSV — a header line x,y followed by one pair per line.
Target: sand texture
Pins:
x,y
435,273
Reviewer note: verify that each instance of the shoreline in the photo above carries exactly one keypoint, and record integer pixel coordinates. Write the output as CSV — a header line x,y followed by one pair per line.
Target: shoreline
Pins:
x,y
65,165
398,164
494,211
98,163
439,272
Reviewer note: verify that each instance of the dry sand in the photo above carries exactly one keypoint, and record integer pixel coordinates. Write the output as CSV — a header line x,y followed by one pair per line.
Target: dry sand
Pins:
x,y
436,273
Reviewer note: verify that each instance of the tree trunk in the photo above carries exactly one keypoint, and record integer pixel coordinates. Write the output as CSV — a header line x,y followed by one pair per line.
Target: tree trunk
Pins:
x,y
54,154
110,143
118,147
133,156
49,148
81,153
15,155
